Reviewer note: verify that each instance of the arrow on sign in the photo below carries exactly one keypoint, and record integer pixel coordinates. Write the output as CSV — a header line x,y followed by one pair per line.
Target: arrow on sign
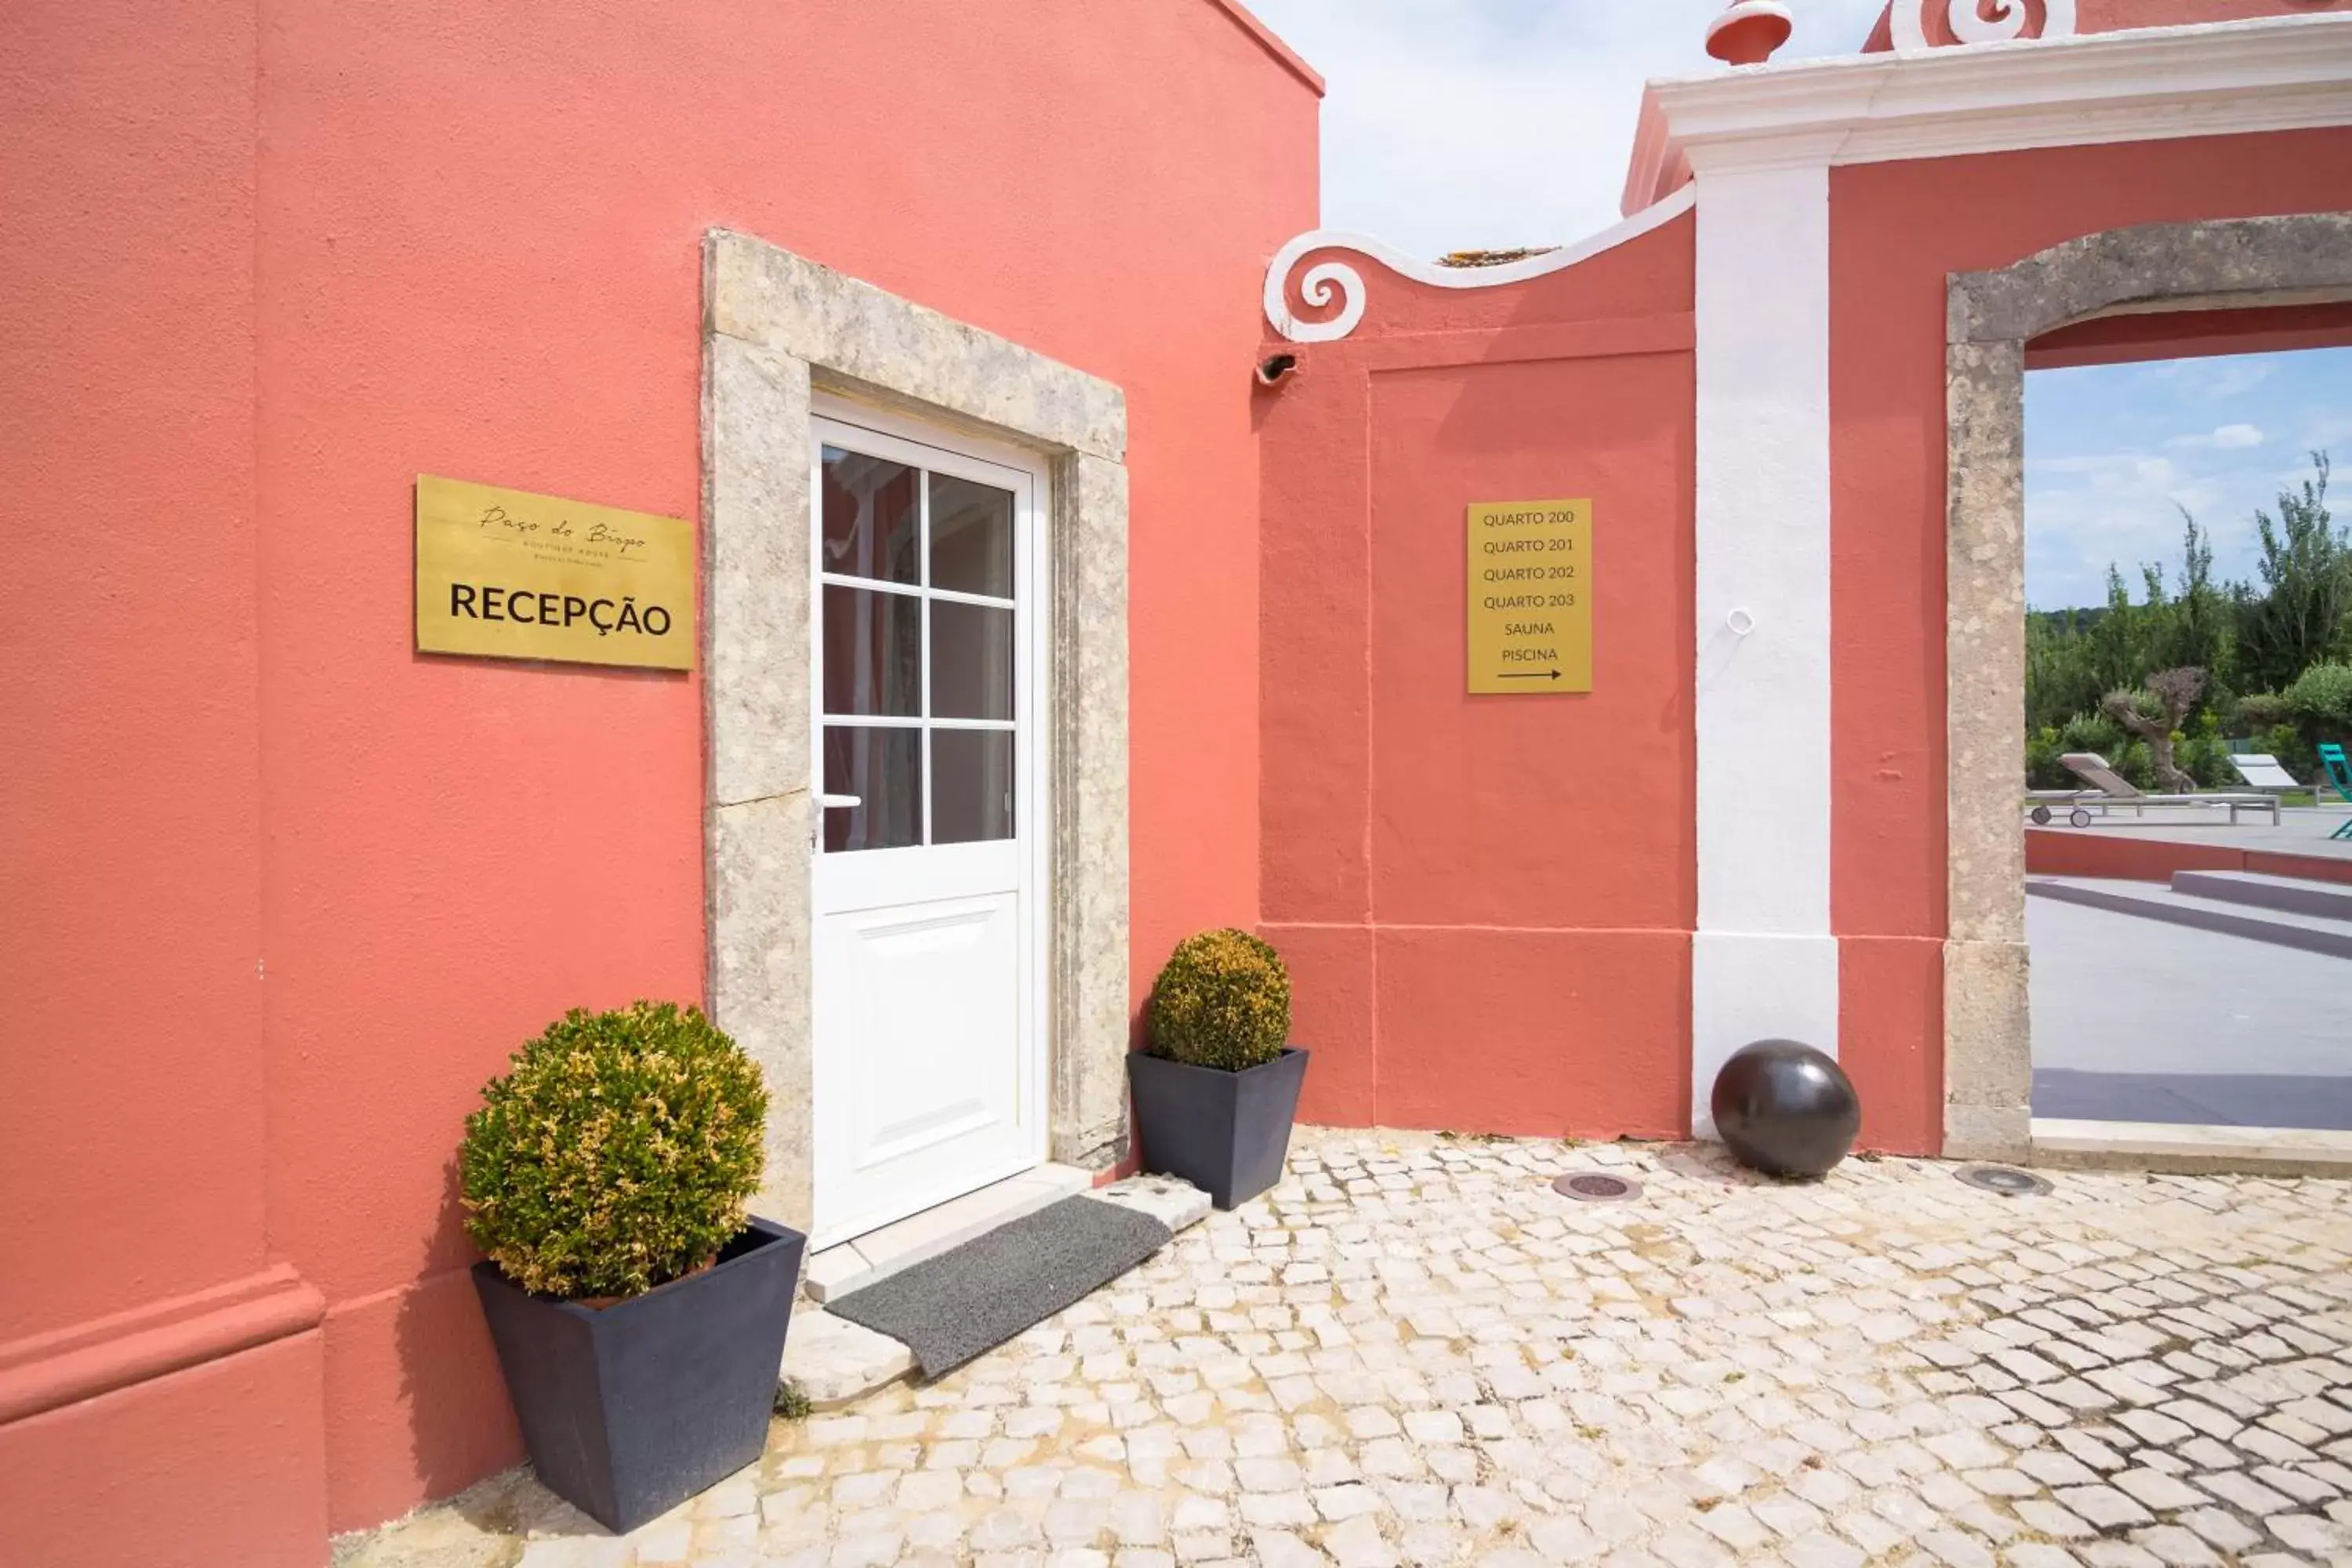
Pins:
x,y
1538,675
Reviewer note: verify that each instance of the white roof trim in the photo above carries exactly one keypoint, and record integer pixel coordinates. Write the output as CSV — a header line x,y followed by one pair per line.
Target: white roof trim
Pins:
x,y
1316,287
2273,73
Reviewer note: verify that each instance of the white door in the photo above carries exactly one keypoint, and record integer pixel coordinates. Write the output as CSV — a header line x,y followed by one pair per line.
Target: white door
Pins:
x,y
929,876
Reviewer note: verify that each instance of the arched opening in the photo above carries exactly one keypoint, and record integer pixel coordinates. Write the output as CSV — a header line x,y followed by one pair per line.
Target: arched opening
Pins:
x,y
2188,648
2129,289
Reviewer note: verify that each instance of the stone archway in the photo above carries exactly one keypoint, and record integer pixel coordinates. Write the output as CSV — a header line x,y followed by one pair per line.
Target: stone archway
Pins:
x,y
2154,268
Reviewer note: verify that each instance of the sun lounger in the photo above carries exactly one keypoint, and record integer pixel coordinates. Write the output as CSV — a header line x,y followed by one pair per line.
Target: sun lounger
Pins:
x,y
2263,772
2078,804
2112,788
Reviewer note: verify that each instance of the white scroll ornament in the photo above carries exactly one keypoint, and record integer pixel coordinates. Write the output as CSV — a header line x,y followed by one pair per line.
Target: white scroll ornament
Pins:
x,y
1319,284
1979,21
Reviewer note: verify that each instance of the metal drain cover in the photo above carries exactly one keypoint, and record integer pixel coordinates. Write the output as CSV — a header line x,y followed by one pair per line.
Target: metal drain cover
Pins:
x,y
1592,1187
2006,1180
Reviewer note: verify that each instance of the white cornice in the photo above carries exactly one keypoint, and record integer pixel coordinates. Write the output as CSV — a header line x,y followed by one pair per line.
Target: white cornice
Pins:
x,y
2278,73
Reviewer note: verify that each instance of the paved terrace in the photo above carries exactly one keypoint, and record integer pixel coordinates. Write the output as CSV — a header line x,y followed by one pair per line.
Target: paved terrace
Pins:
x,y
1413,1351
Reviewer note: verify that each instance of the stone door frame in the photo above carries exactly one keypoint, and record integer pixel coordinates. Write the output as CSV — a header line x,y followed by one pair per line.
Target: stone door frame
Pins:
x,y
1991,317
776,328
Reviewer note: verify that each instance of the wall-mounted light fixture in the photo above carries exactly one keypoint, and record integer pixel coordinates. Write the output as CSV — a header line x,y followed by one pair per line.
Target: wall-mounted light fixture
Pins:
x,y
1275,368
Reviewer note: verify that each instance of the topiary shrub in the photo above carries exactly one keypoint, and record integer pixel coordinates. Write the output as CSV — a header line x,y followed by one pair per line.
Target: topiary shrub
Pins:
x,y
616,1153
2321,698
2259,712
1222,1001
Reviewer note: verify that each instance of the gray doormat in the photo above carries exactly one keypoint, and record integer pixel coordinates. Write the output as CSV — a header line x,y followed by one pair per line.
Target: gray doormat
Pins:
x,y
948,1309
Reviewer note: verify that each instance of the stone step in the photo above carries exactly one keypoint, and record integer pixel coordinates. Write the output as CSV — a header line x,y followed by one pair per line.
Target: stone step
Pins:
x,y
878,1254
2291,895
2189,1150
2149,901
833,1362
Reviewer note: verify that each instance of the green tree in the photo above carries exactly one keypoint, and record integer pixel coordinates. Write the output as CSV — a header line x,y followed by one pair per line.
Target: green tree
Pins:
x,y
2201,630
2075,657
2304,609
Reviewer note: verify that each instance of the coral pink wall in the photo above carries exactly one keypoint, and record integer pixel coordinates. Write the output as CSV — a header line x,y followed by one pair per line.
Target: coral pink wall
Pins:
x,y
295,891
1897,231
217,1464
1486,900
135,1042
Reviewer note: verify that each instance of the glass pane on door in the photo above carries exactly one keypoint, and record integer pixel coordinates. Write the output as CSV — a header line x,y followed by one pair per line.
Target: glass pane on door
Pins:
x,y
873,653
884,768
971,785
873,517
972,661
971,537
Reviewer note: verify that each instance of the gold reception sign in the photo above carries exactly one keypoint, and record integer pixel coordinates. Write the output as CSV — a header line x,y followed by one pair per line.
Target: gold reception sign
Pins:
x,y
508,574
1531,596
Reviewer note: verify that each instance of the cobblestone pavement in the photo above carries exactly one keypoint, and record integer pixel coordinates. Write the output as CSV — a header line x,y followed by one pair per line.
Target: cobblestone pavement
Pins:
x,y
1414,1351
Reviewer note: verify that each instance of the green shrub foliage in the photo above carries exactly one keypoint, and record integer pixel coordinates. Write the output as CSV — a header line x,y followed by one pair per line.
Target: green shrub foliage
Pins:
x,y
1223,1001
2260,712
2321,698
617,1152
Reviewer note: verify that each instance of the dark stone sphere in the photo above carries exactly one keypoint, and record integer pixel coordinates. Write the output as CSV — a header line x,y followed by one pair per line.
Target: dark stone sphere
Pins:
x,y
1785,1109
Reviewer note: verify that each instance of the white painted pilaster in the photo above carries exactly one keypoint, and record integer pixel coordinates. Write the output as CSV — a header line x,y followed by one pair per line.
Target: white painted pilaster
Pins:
x,y
1763,962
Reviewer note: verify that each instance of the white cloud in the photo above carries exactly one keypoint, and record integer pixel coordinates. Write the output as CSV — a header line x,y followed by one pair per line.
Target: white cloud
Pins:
x,y
1455,124
2212,380
2083,462
2227,438
2084,510
2112,470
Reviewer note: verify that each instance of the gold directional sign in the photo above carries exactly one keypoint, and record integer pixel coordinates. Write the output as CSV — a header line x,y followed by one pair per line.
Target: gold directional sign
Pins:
x,y
509,574
1530,589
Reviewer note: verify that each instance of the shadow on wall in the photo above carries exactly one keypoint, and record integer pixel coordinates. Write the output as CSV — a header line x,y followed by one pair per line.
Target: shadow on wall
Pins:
x,y
453,1399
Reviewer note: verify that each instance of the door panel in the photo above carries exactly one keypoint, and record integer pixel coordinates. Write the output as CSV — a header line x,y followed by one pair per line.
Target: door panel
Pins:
x,y
932,1045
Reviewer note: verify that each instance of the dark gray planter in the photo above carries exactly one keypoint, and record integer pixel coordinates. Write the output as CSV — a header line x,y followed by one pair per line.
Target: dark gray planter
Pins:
x,y
1226,1132
628,1410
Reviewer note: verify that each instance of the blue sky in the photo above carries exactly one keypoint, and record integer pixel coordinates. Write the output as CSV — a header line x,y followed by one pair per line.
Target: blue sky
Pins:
x,y
1453,125
2110,450
1460,124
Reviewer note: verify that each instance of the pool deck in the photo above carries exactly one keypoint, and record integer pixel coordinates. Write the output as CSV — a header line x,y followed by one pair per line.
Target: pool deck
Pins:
x,y
2139,1021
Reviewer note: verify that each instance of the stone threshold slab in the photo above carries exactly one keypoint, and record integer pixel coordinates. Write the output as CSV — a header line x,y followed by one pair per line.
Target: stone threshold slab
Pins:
x,y
2191,1150
878,1254
833,1362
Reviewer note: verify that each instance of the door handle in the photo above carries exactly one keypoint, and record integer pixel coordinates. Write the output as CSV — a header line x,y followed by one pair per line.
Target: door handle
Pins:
x,y
839,802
